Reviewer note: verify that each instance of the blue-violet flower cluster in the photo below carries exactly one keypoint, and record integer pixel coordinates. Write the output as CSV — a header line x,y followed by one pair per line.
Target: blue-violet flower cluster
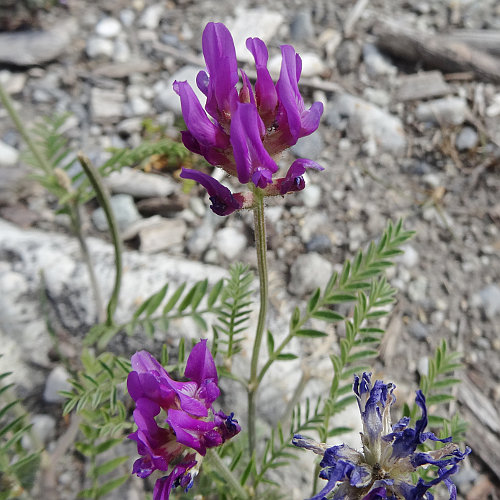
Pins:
x,y
245,129
186,408
383,469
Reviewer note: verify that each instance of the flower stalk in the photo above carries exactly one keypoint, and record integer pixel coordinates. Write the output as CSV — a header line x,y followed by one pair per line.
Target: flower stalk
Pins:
x,y
217,463
261,247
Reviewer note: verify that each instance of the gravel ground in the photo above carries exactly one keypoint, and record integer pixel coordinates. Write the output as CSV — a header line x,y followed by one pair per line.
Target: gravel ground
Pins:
x,y
430,159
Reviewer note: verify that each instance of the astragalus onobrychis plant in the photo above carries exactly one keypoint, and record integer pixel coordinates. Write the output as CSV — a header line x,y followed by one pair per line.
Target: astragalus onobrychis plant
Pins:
x,y
169,406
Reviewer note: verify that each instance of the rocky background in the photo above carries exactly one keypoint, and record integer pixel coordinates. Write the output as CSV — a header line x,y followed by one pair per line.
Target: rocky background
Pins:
x,y
411,129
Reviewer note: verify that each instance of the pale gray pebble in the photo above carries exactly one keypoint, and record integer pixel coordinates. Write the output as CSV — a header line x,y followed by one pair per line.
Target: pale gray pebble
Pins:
x,y
44,427
301,27
309,147
8,155
418,330
409,258
446,111
490,300
376,63
311,195
466,139
58,380
151,16
319,243
139,184
308,272
97,47
108,27
127,17
230,242
200,239
124,209
347,56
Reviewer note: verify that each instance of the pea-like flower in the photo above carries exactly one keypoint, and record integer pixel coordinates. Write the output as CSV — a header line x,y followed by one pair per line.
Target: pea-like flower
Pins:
x,y
186,408
243,131
383,469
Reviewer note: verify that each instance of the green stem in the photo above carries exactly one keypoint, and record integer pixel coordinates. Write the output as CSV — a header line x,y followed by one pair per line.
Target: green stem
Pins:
x,y
237,491
103,199
14,116
260,244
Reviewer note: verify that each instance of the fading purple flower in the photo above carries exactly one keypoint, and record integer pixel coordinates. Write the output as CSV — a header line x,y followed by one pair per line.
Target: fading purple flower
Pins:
x,y
176,422
223,201
383,469
250,126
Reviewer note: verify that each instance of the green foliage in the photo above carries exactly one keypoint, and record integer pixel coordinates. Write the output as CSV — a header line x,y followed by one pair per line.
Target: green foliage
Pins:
x,y
18,465
157,311
234,311
437,387
98,393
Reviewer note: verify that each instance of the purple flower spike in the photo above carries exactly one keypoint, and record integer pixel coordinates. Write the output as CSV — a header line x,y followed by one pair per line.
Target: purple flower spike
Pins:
x,y
383,470
192,424
252,125
294,180
252,160
220,57
223,201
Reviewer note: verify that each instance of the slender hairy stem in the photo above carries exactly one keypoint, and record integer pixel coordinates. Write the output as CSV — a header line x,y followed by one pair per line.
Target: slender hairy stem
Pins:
x,y
233,484
103,199
76,224
14,116
260,243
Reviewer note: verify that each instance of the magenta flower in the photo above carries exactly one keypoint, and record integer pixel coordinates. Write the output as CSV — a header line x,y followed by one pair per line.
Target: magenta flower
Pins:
x,y
192,425
243,131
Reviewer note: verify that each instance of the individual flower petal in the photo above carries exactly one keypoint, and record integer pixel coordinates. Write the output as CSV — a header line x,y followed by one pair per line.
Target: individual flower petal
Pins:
x,y
267,98
293,120
253,162
293,181
200,365
220,58
246,92
192,432
197,121
223,201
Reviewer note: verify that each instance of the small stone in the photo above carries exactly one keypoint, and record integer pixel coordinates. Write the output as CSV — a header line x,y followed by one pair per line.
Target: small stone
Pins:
x,y
364,121
125,211
139,106
139,184
200,239
419,331
446,111
310,146
417,289
311,195
376,63
301,27
230,242
309,272
347,57
97,47
409,258
319,243
127,17
261,23
130,126
30,47
121,51
108,27
312,65
198,206
158,233
151,17
58,380
43,426
8,155
106,105
490,300
466,139
13,83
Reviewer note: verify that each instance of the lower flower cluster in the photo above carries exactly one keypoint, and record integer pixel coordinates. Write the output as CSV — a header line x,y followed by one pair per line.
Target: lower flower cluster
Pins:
x,y
383,469
192,425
